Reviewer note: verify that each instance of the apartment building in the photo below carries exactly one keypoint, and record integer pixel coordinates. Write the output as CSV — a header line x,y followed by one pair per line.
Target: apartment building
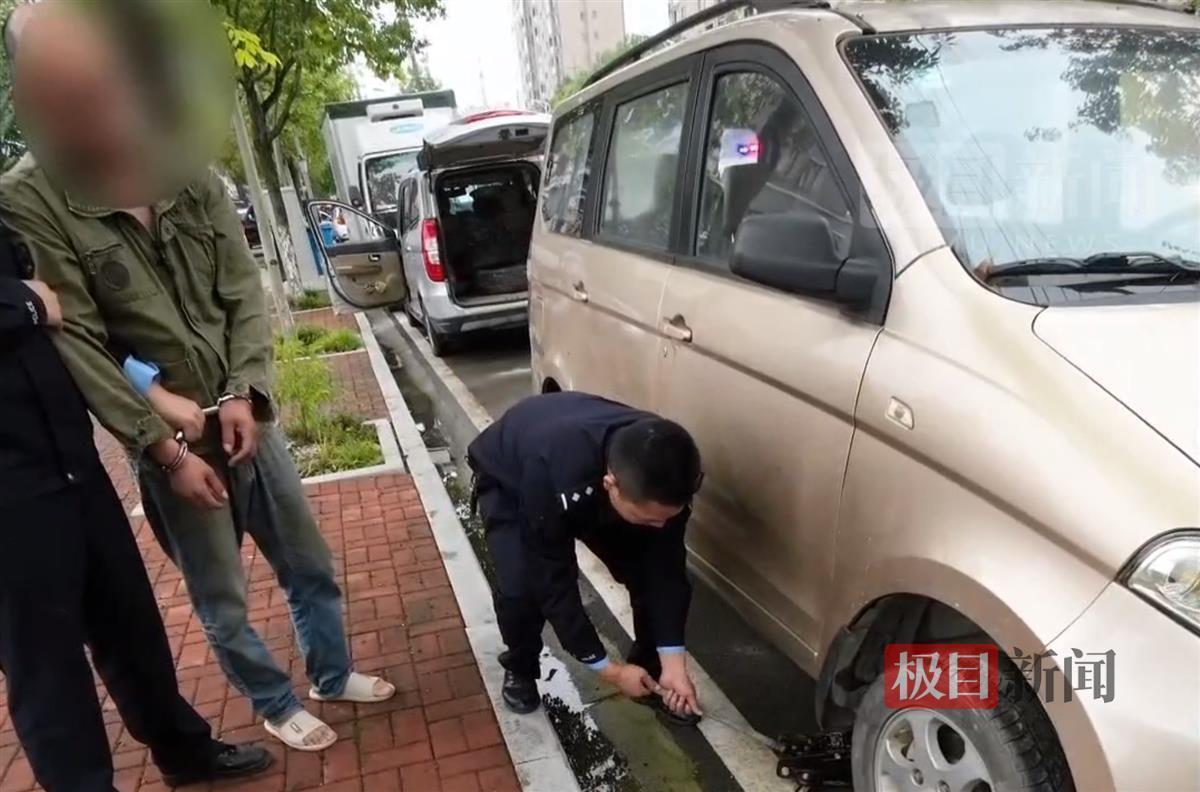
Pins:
x,y
678,9
559,38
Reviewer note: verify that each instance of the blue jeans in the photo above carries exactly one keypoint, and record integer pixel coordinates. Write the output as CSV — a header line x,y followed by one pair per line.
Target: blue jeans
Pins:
x,y
266,501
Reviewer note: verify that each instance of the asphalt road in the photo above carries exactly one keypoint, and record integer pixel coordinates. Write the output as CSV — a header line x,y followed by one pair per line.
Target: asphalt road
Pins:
x,y
774,695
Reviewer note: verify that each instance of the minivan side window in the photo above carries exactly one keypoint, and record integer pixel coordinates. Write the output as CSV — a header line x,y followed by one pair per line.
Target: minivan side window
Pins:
x,y
402,208
762,156
411,213
642,170
567,170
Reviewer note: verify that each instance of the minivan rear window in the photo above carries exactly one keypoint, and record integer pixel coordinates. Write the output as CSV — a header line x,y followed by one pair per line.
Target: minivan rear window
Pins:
x,y
567,171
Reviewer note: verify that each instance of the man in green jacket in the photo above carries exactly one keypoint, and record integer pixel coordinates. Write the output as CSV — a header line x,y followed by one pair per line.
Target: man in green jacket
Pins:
x,y
173,284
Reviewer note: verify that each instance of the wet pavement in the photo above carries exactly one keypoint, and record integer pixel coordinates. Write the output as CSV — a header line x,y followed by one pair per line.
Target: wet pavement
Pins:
x,y
612,743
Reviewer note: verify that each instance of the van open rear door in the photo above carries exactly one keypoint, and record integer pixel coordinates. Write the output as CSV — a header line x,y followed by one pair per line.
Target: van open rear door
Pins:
x,y
499,134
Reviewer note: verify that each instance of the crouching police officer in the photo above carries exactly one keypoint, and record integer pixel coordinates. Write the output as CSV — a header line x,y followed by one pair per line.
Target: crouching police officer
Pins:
x,y
567,466
71,574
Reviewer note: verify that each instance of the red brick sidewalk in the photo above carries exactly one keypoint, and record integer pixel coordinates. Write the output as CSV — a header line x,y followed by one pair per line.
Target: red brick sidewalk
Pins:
x,y
438,735
325,317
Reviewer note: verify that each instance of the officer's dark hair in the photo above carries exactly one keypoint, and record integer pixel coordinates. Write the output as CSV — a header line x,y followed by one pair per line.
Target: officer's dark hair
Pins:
x,y
655,460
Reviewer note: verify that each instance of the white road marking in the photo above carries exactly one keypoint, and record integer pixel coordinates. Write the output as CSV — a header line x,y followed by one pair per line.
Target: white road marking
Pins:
x,y
750,763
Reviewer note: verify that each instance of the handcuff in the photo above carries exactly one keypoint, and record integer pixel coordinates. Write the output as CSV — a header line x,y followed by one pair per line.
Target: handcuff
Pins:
x,y
182,453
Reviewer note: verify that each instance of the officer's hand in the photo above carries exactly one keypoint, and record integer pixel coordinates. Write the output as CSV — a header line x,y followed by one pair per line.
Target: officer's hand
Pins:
x,y
196,482
239,430
49,299
676,687
178,411
632,680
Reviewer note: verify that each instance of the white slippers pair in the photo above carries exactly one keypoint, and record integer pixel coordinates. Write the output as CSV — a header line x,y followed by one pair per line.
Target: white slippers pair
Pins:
x,y
306,732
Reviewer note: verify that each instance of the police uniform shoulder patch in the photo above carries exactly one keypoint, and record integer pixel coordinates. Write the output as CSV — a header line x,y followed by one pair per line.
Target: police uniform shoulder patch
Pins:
x,y
577,495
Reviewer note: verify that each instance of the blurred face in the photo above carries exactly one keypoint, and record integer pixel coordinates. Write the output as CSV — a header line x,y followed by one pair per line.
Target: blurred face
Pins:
x,y
645,513
80,104
122,104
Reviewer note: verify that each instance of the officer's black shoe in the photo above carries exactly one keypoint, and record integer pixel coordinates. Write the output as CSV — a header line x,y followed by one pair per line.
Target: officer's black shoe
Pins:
x,y
520,693
227,761
664,712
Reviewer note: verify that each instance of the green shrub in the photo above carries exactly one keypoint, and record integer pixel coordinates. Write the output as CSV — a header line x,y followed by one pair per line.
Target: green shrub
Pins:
x,y
340,340
334,443
309,334
310,299
305,383
315,340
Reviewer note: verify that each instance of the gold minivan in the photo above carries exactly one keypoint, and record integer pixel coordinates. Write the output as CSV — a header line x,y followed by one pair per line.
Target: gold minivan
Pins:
x,y
923,279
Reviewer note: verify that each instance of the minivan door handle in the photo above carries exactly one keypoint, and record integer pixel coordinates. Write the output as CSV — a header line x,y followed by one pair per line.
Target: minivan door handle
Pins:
x,y
579,291
677,328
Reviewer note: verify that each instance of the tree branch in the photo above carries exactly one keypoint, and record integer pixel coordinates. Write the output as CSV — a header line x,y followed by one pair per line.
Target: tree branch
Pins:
x,y
273,40
285,110
261,28
280,78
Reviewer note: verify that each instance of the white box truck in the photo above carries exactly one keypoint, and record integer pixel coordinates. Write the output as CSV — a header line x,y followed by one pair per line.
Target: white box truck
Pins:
x,y
373,142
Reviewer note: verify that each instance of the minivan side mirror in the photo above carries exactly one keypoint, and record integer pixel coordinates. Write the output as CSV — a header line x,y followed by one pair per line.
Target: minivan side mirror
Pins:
x,y
797,252
355,196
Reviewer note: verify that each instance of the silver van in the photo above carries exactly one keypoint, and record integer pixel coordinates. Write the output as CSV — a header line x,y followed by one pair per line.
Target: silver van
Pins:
x,y
456,260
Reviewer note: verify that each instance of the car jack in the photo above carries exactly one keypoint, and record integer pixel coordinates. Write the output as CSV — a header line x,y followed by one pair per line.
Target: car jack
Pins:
x,y
815,762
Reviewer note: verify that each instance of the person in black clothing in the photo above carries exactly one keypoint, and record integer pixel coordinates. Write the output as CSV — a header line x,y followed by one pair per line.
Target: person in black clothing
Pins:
x,y
567,466
71,574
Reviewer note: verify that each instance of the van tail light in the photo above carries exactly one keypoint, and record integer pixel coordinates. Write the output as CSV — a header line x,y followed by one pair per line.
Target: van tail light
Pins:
x,y
431,253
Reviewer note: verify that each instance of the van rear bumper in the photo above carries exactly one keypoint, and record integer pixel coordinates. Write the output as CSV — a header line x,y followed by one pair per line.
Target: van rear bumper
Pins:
x,y
496,317
1148,735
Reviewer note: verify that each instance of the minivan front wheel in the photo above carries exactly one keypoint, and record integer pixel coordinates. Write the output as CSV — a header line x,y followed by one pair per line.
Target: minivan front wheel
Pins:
x,y
1009,748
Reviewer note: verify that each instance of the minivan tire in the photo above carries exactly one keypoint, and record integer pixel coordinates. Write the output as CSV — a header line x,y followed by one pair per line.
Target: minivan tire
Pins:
x,y
438,342
410,313
1015,740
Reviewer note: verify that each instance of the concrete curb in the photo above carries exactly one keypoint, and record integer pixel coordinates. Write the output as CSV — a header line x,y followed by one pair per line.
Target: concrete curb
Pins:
x,y
537,756
750,763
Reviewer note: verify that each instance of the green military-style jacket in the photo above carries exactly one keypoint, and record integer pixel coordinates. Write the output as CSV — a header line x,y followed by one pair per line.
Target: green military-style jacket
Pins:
x,y
187,298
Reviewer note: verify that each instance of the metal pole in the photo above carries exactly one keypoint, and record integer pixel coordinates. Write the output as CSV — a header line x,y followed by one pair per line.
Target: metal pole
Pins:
x,y
263,219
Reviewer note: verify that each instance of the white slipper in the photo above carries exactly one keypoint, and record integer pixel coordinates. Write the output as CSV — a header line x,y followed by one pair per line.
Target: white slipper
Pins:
x,y
293,732
360,689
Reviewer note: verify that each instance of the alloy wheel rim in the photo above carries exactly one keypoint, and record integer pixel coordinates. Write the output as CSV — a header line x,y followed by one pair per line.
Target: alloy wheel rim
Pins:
x,y
919,749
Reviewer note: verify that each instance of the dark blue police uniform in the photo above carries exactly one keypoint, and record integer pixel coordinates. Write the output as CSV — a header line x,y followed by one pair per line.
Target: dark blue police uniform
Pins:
x,y
539,472
71,574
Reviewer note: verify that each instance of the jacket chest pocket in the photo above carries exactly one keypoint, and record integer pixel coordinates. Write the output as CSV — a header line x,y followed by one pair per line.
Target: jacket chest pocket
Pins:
x,y
117,277
198,245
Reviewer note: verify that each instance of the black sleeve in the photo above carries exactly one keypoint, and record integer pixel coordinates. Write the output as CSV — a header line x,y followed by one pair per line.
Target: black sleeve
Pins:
x,y
21,310
553,565
668,590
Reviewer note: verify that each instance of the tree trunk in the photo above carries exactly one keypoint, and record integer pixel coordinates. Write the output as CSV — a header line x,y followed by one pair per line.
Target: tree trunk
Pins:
x,y
268,169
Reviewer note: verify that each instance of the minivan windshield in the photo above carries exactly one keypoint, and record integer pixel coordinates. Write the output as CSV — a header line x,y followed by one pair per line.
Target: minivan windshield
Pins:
x,y
1061,163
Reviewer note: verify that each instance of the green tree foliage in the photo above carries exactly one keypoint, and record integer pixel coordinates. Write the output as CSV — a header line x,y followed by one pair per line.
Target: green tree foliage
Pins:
x,y
308,111
12,145
575,82
276,43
